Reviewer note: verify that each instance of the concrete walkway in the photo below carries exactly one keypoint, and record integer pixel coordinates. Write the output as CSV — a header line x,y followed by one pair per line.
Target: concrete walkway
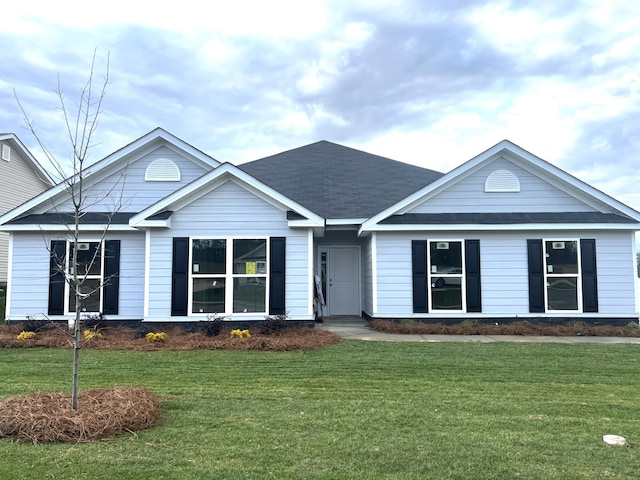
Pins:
x,y
356,328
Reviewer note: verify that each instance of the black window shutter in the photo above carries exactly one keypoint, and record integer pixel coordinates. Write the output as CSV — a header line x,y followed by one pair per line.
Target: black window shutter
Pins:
x,y
536,276
277,248
111,289
419,271
472,275
589,275
180,276
56,277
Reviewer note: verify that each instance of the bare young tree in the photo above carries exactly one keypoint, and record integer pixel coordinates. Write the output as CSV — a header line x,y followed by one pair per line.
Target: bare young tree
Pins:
x,y
81,122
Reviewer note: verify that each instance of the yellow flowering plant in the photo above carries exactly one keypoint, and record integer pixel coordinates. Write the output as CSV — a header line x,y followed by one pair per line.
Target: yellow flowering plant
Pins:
x,y
159,337
26,335
237,333
91,335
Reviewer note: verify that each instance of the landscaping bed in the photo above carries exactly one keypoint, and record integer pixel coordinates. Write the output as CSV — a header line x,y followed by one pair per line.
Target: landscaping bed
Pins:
x,y
514,328
125,338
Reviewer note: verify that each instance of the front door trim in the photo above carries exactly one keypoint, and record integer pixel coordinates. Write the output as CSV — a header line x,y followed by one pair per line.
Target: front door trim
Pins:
x,y
330,276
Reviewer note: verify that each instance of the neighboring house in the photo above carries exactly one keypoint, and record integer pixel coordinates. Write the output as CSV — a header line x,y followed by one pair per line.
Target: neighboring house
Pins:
x,y
506,235
21,178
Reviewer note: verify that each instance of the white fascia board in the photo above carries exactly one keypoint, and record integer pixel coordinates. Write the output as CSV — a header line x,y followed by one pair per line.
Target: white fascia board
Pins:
x,y
345,221
429,190
500,228
212,180
522,158
153,224
151,141
29,205
304,223
561,179
105,166
24,152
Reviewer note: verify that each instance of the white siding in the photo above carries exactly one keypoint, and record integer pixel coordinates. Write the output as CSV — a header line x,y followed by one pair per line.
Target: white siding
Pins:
x,y
30,276
367,272
29,281
395,296
468,195
504,270
130,185
230,211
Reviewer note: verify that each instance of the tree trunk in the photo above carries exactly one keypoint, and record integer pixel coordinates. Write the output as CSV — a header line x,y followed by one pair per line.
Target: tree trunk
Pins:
x,y
76,359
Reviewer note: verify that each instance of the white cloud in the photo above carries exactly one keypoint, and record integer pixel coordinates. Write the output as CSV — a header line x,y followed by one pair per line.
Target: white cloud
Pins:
x,y
286,18
432,83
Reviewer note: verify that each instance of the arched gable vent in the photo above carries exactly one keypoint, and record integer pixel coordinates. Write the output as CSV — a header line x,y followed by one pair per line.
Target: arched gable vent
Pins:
x,y
502,181
162,170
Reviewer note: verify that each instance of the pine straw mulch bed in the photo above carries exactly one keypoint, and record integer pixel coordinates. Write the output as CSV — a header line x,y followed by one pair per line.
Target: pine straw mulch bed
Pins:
x,y
102,413
514,328
124,338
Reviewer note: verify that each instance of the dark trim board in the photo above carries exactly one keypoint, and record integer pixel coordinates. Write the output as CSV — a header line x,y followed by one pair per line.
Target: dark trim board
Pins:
x,y
190,326
542,320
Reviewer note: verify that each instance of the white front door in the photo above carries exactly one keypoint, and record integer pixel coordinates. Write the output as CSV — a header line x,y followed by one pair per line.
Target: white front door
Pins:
x,y
343,289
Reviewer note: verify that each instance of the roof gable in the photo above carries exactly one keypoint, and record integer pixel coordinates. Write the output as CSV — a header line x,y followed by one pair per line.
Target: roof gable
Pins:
x,y
155,215
109,166
30,160
506,150
501,185
339,182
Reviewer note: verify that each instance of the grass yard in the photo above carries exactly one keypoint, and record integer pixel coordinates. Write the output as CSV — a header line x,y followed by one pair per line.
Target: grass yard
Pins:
x,y
357,409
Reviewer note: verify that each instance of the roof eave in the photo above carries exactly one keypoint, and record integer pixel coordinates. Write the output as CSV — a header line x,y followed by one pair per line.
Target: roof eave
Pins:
x,y
500,227
56,227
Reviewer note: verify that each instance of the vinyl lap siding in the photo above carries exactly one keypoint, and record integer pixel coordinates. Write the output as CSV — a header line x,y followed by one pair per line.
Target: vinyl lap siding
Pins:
x,y
230,211
131,275
616,287
30,278
504,270
367,273
536,195
394,275
130,184
18,183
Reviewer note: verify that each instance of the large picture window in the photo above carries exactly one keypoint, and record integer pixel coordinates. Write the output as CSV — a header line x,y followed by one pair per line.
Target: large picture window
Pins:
x,y
228,275
90,272
446,276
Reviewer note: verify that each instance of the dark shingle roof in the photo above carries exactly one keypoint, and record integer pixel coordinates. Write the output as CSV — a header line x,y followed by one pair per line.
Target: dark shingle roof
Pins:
x,y
64,218
338,182
504,218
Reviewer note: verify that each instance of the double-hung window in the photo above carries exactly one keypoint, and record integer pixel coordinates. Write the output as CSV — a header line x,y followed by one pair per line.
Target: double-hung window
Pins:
x,y
446,276
228,275
90,274
562,275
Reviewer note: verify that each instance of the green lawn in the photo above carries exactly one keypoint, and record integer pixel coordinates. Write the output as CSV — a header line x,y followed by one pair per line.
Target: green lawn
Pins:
x,y
358,409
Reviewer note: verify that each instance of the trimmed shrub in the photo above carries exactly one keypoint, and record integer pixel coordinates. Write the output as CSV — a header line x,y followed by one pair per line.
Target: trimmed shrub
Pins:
x,y
273,325
212,326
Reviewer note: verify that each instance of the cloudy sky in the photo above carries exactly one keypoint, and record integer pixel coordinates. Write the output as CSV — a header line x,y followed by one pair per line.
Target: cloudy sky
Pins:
x,y
432,83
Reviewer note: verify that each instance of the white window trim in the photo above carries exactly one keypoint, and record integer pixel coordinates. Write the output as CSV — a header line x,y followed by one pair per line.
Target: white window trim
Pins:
x,y
67,286
462,276
6,152
578,275
228,276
